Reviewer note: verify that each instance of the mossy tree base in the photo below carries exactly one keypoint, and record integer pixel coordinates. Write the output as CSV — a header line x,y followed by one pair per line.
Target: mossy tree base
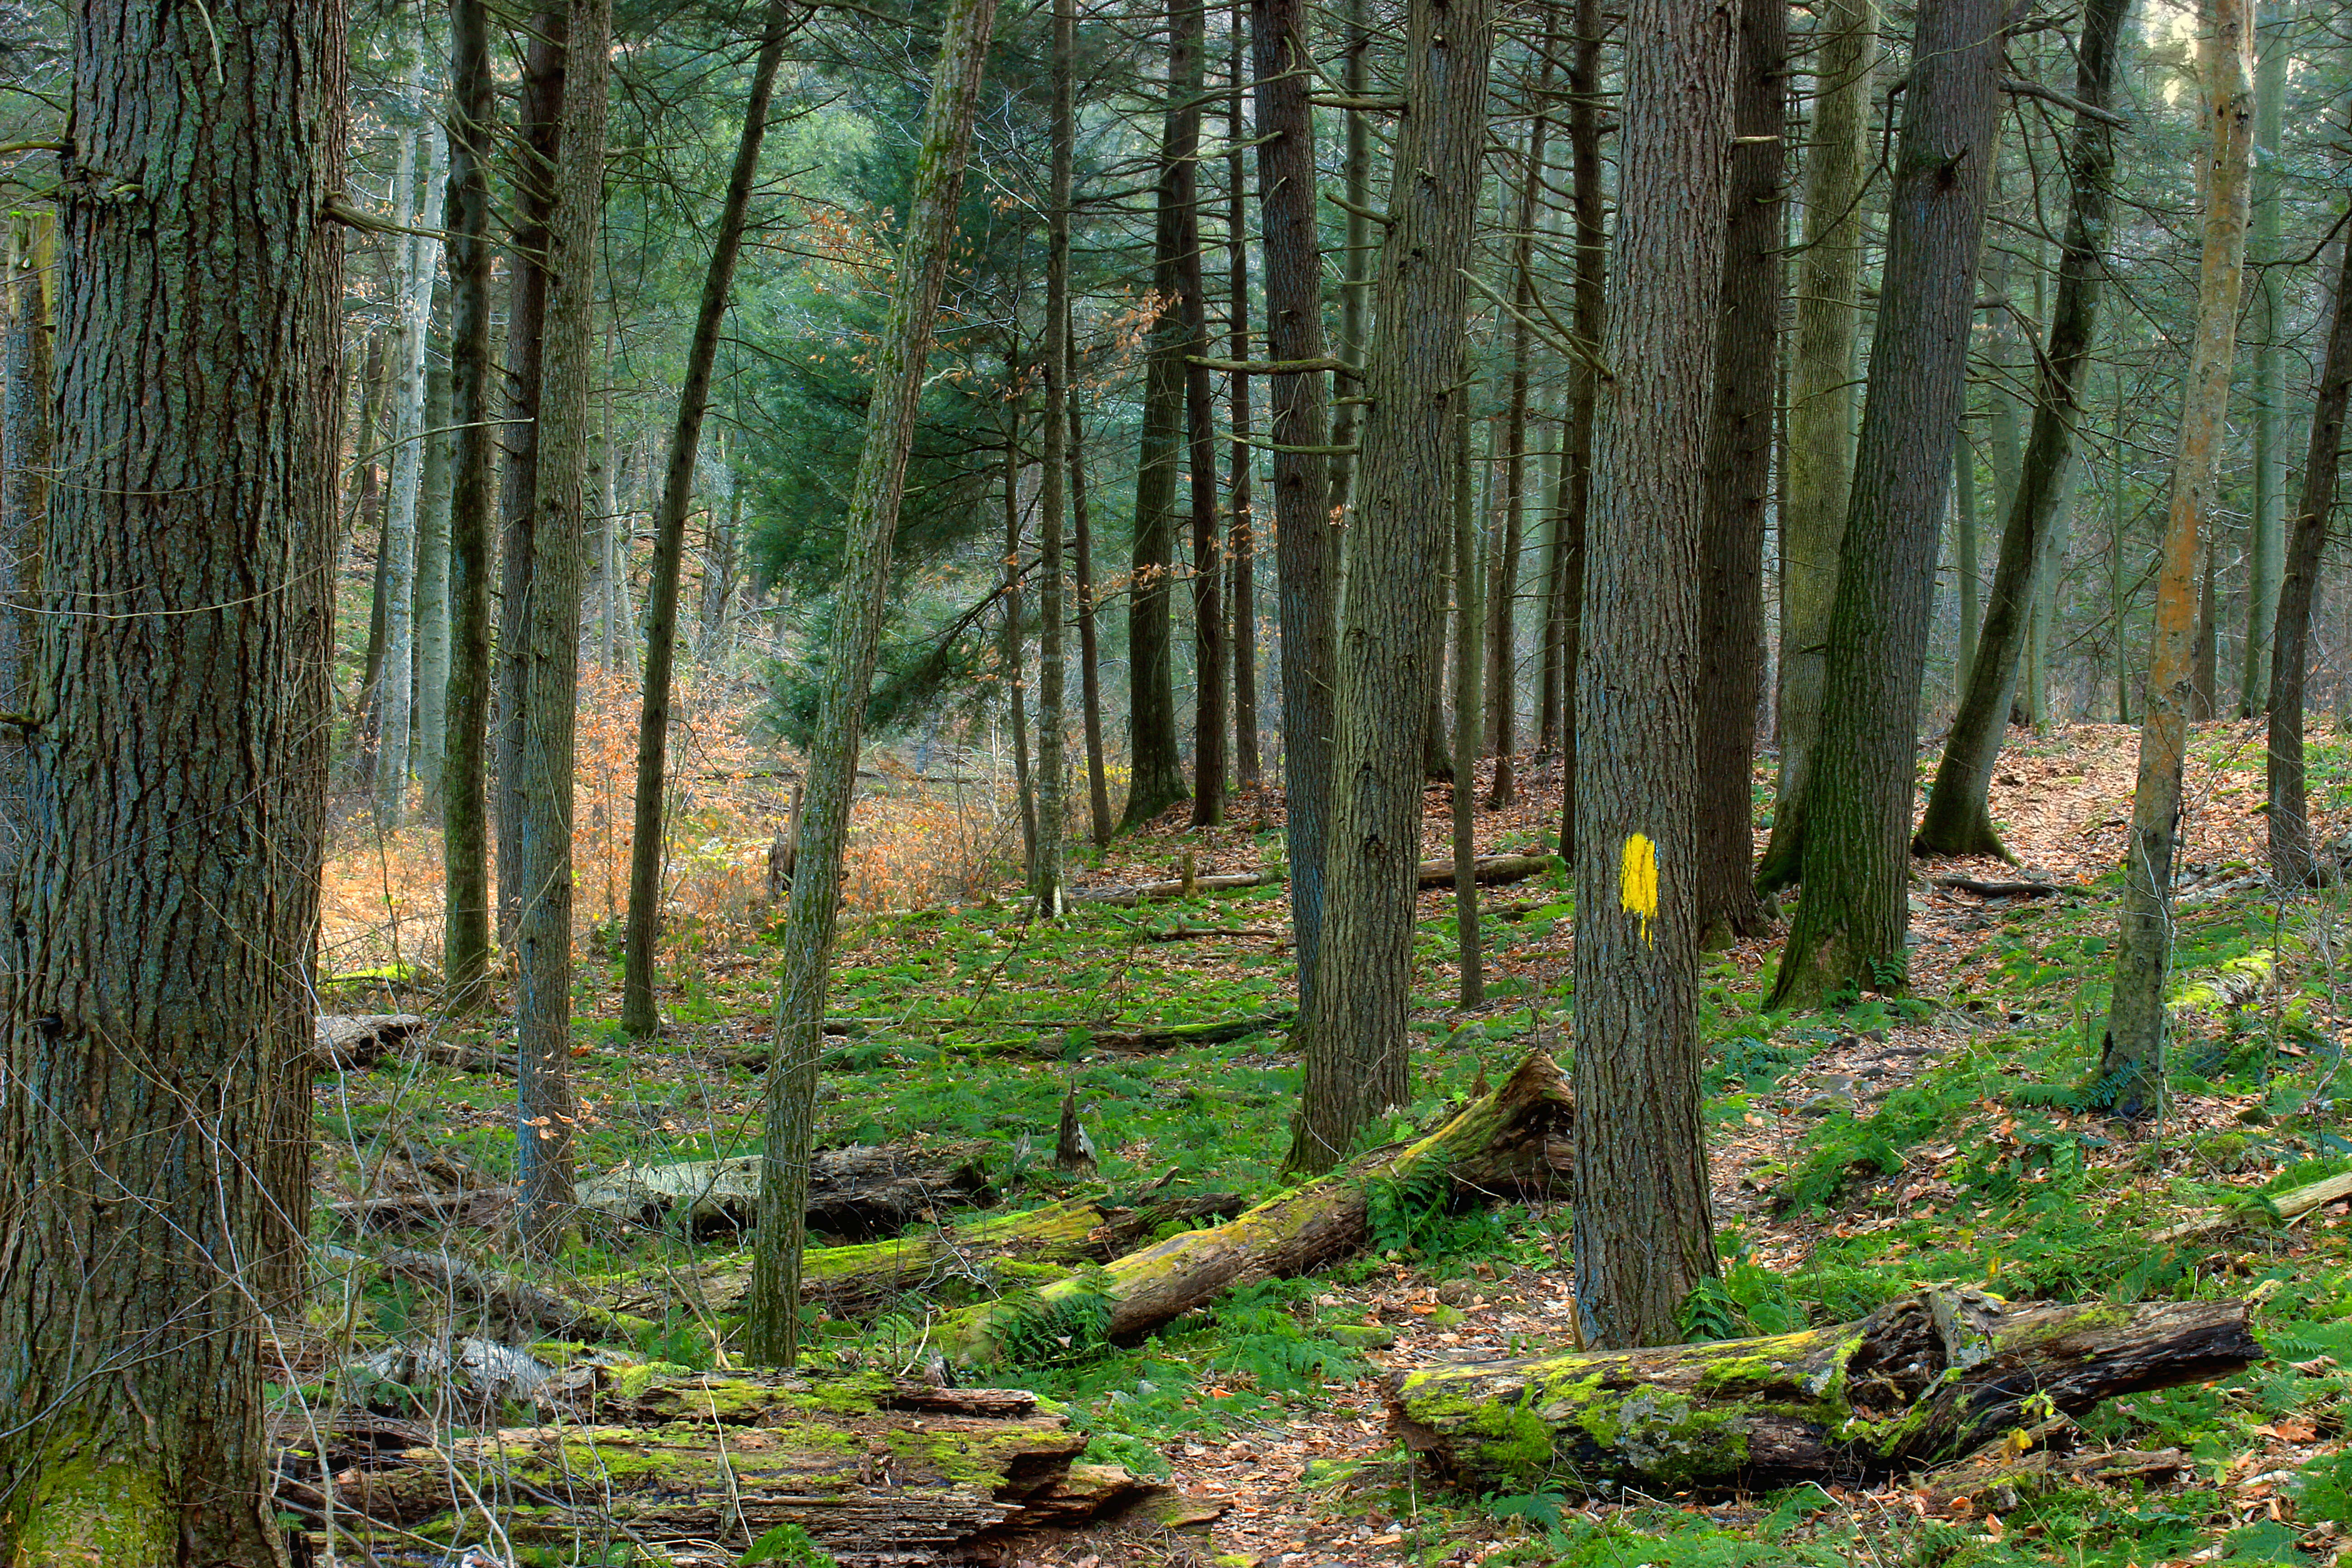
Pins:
x,y
1509,1141
875,1469
1922,1380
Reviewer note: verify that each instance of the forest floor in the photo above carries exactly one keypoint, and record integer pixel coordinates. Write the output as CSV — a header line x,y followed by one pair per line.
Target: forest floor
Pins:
x,y
1941,1135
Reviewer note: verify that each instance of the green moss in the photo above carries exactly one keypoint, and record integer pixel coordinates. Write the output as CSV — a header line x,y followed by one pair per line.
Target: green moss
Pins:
x,y
1517,1442
104,1513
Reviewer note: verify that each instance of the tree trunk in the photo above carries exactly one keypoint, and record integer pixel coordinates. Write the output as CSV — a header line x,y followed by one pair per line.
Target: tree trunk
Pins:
x,y
1850,927
1502,635
1053,680
1964,556
420,261
1506,1140
1210,663
1958,820
2292,861
1584,84
1924,1380
1636,844
1468,961
2266,530
154,1143
1821,408
28,451
1155,774
2131,1055
773,1321
639,1015
1355,267
432,707
1356,1047
541,106
1740,484
1306,540
2205,672
1009,649
549,690
465,851
1082,568
1242,547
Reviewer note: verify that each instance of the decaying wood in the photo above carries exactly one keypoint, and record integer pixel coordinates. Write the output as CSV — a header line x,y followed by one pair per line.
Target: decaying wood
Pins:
x,y
1999,1481
1922,1380
975,1259
1492,869
877,1471
1127,896
1509,1141
352,1042
514,1308
861,1191
2290,1206
2013,890
422,1210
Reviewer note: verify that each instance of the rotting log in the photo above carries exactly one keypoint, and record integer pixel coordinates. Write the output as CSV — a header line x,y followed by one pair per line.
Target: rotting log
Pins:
x,y
2275,1208
2000,889
1924,1380
352,1042
1127,896
861,1191
1511,1140
1492,869
947,1264
513,1307
876,1471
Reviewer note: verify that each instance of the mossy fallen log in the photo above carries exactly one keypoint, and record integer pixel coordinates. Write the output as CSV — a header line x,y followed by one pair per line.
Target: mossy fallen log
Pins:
x,y
875,1470
861,1191
947,1264
1512,1140
1924,1380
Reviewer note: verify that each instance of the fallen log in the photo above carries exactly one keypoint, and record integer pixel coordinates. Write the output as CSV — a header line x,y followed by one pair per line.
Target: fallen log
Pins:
x,y
861,1191
1491,869
2278,1209
1985,889
876,1471
513,1308
1999,1482
1925,1379
1175,1036
354,1042
950,1265
475,1207
1129,895
1508,1141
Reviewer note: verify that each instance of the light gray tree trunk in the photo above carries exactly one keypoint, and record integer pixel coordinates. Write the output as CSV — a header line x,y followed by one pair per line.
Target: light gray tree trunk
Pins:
x,y
433,571
2266,530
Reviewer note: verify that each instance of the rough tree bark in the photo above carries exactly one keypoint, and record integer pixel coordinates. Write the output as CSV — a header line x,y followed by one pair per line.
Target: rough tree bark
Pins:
x,y
1925,1379
2131,1054
464,852
773,1321
2292,861
1584,385
154,1139
1210,663
1155,774
1241,531
544,1109
1082,573
1740,484
1471,991
2266,530
1645,1233
1850,927
639,1016
1305,537
1053,678
27,454
1356,1042
1959,819
1820,407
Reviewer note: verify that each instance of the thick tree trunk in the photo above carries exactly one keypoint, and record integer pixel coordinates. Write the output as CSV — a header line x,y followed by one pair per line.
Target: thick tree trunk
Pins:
x,y
1637,800
541,107
1082,571
1924,1380
27,452
1356,266
899,356
1820,407
876,1471
1241,531
639,1016
2292,861
1964,556
464,849
1155,774
1850,927
2131,1054
1740,484
1052,676
155,1140
1577,436
1210,663
1958,820
545,1109
1356,1045
1508,1141
1306,540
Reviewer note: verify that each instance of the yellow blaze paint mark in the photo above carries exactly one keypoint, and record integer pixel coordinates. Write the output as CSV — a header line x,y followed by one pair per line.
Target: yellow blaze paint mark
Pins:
x,y
1637,881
